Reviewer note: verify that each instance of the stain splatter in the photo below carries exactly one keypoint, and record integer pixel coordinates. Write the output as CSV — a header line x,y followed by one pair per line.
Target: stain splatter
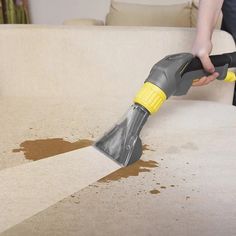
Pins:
x,y
155,191
43,148
164,187
187,197
172,185
132,170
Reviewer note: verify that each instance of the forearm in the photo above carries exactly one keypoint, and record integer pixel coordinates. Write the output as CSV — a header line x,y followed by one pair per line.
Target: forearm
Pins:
x,y
208,14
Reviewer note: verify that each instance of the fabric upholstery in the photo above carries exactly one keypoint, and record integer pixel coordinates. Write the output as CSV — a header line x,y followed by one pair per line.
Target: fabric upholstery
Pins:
x,y
194,13
55,61
127,14
82,22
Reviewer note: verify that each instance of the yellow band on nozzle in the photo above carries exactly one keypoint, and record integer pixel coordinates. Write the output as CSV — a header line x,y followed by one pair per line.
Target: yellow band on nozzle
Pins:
x,y
151,97
230,77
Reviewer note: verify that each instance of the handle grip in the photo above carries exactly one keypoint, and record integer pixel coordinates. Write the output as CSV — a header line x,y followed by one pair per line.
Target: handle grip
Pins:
x,y
194,70
217,60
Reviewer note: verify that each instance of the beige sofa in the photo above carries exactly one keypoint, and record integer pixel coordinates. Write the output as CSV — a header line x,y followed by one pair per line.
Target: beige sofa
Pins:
x,y
43,61
169,13
74,83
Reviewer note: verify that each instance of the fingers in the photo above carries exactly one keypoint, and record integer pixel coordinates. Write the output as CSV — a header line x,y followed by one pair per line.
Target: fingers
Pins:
x,y
209,67
206,63
202,48
200,82
206,79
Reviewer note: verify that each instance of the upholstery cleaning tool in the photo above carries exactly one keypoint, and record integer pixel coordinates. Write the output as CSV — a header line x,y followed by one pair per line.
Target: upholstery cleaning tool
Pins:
x,y
173,75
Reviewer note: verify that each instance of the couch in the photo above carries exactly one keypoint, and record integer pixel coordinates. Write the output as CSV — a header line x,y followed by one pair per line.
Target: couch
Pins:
x,y
72,61
169,13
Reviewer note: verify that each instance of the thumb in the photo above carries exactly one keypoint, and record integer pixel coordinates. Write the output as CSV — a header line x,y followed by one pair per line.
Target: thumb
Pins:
x,y
207,64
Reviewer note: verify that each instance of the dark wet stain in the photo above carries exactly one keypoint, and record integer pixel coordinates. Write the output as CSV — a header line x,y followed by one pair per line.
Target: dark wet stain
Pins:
x,y
172,185
132,170
42,148
164,187
154,191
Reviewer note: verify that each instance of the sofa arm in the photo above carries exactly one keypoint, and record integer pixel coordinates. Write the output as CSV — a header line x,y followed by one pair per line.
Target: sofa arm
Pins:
x,y
85,22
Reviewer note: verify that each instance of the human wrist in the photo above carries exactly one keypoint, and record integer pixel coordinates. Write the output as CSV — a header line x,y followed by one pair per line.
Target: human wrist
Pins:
x,y
201,46
204,33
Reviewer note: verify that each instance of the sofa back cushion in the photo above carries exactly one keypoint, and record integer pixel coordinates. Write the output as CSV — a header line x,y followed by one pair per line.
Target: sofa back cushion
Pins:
x,y
194,14
128,14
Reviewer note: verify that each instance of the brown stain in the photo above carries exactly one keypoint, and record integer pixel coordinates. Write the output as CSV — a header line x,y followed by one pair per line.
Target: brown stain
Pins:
x,y
155,191
132,170
39,149
164,187
44,148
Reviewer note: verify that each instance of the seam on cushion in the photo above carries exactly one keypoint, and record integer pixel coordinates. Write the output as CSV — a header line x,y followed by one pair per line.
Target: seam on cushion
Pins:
x,y
191,15
112,7
194,4
189,7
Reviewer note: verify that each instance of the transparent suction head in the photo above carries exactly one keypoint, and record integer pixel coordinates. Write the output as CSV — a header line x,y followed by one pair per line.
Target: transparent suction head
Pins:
x,y
122,142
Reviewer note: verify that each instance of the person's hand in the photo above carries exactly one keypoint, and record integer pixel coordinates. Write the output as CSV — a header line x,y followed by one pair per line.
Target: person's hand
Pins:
x,y
202,48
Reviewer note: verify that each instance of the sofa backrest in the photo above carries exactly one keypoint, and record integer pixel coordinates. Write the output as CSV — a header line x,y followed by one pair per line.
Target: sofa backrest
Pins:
x,y
85,62
149,15
194,13
169,13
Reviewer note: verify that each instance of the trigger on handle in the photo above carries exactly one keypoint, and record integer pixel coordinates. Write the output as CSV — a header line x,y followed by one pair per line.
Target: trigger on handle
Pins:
x,y
230,77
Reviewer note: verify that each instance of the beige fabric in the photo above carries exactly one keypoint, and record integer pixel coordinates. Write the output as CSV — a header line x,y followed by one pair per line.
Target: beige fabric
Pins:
x,y
56,178
149,15
82,22
177,13
56,60
154,2
191,142
194,14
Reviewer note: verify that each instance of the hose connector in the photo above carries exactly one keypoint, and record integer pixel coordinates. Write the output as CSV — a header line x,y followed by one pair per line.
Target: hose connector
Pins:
x,y
151,97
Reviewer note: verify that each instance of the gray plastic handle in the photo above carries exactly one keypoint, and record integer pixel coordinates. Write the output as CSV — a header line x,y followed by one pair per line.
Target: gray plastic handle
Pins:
x,y
189,77
166,74
170,74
